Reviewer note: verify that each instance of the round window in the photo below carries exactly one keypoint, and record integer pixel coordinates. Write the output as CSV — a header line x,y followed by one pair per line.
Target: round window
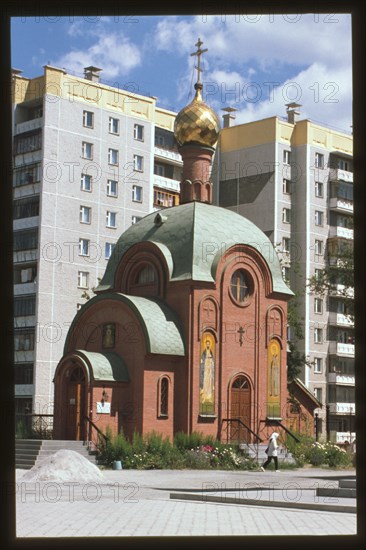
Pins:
x,y
240,286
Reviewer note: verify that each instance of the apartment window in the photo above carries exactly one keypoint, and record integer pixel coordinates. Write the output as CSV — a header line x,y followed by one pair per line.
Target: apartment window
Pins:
x,y
87,150
25,240
113,157
26,208
135,219
137,193
318,365
28,142
318,305
111,219
86,182
319,189
88,119
286,274
286,215
319,217
159,170
24,274
286,244
25,175
85,214
83,279
343,165
138,132
24,305
113,125
112,188
159,141
286,186
84,245
319,160
318,247
138,163
24,340
318,392
286,156
318,274
108,250
23,373
318,335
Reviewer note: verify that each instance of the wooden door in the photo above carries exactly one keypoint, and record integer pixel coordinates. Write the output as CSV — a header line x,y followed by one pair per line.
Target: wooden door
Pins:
x,y
241,410
75,406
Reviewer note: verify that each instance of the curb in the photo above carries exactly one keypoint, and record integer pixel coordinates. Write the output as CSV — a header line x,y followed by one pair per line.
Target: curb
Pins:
x,y
223,499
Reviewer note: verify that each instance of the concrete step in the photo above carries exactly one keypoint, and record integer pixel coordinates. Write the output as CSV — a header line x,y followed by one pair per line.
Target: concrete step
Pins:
x,y
347,484
29,452
336,492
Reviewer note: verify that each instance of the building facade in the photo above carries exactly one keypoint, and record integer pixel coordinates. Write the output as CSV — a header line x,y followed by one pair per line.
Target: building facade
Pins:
x,y
86,160
294,179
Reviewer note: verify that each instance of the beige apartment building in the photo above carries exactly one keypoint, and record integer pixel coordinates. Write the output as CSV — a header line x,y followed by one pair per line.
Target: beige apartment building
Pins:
x,y
85,155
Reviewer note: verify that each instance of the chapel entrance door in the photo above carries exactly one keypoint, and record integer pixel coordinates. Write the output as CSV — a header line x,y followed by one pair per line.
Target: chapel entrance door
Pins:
x,y
240,410
75,406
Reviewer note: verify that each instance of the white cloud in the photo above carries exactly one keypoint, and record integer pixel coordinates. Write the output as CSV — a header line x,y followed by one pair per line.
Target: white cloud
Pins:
x,y
113,53
315,49
325,95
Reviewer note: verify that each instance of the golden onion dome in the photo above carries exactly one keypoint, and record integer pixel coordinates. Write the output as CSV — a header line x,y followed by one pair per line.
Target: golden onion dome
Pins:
x,y
197,122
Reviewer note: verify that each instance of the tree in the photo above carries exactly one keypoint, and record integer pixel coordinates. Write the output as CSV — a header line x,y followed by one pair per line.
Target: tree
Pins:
x,y
338,275
295,359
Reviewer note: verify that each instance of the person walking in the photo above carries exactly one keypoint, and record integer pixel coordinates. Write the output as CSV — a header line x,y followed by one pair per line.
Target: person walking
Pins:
x,y
271,452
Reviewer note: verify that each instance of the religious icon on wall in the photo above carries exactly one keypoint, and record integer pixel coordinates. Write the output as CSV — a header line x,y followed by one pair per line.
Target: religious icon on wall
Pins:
x,y
274,358
207,374
109,335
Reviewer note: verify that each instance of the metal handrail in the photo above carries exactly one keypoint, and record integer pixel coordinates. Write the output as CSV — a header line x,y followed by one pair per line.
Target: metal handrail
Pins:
x,y
287,431
98,430
229,420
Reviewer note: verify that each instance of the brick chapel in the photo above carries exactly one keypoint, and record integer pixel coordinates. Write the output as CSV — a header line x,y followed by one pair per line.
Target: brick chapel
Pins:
x,y
187,331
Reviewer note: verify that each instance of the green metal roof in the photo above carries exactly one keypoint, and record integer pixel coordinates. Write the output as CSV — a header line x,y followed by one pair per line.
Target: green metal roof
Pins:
x,y
105,366
160,325
193,238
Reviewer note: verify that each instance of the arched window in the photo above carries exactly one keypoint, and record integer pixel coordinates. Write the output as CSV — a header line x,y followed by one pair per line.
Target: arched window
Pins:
x,y
197,191
146,275
240,383
240,286
144,281
163,397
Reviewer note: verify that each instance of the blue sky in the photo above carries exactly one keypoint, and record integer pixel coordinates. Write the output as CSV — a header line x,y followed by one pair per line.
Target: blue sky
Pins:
x,y
256,64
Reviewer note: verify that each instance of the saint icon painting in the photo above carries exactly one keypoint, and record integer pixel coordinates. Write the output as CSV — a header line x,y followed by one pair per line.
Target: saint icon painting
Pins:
x,y
207,374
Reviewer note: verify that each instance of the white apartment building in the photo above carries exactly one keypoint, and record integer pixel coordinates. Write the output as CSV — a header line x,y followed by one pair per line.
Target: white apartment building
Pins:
x,y
86,159
294,179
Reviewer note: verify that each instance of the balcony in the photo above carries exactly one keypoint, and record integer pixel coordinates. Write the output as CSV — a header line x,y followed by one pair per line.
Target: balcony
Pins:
x,y
28,126
168,154
343,350
167,183
340,232
25,256
342,408
340,204
341,320
336,174
23,390
343,379
25,288
341,437
341,290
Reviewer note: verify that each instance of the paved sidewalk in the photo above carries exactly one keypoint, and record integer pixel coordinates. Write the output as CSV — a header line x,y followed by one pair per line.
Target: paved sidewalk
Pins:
x,y
138,503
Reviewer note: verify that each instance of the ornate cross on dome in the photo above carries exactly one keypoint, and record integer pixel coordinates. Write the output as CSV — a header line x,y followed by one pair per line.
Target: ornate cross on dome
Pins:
x,y
198,53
